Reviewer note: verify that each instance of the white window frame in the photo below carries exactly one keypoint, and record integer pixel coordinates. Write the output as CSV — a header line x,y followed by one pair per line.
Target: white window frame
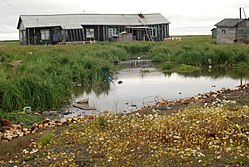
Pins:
x,y
112,32
89,32
45,34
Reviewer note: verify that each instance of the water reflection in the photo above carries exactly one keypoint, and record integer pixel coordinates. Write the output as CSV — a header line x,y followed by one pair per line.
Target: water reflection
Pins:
x,y
142,84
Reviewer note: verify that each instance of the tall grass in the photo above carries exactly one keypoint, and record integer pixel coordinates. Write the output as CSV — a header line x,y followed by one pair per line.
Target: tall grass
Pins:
x,y
44,79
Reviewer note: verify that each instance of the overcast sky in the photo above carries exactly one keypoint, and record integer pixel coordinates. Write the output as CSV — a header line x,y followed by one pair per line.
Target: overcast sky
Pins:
x,y
187,17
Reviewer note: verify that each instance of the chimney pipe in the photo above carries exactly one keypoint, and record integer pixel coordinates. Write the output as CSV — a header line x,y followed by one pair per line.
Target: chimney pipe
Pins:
x,y
240,13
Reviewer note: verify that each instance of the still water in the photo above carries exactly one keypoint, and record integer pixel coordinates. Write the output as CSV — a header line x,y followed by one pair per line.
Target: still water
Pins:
x,y
141,84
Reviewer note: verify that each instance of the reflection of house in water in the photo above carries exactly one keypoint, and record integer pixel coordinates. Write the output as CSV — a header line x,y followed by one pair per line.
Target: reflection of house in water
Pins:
x,y
52,29
137,63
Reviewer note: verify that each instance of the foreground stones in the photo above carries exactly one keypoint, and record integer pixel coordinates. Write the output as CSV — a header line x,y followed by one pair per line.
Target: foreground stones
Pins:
x,y
10,131
214,98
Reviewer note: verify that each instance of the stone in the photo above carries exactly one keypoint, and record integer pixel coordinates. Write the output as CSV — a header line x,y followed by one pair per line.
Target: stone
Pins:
x,y
6,122
21,134
45,125
17,127
63,120
27,133
6,128
25,129
59,124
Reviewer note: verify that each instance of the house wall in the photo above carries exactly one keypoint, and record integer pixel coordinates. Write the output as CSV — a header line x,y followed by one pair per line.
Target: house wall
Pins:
x,y
101,33
226,35
242,32
33,36
214,33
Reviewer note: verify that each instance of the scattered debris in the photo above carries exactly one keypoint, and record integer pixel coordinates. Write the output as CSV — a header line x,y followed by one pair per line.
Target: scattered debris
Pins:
x,y
9,131
16,63
120,82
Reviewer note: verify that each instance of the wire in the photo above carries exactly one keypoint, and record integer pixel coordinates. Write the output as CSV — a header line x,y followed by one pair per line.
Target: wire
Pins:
x,y
244,12
13,7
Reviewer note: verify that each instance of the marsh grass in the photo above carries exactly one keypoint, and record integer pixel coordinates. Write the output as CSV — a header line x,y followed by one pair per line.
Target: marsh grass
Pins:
x,y
21,118
44,79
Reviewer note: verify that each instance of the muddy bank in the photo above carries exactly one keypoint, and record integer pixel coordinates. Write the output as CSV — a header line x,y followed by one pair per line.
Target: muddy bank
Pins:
x,y
236,97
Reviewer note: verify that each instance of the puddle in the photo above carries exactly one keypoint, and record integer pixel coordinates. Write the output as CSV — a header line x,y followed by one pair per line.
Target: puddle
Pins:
x,y
142,84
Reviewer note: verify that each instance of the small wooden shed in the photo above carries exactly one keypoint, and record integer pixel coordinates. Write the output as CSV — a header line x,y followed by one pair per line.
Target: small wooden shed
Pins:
x,y
52,29
232,31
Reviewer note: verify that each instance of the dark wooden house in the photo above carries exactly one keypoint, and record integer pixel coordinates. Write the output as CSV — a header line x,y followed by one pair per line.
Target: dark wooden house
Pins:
x,y
232,31
52,29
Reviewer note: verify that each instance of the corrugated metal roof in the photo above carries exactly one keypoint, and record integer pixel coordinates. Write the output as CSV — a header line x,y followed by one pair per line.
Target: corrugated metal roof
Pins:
x,y
229,22
70,21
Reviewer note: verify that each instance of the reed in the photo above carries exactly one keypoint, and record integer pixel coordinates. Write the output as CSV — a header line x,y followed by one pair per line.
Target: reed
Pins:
x,y
44,78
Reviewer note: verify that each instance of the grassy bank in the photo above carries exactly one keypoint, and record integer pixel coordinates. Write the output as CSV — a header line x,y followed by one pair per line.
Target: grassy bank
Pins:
x,y
42,76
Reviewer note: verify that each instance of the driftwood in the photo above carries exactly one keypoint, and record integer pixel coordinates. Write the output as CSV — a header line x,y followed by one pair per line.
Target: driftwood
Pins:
x,y
83,101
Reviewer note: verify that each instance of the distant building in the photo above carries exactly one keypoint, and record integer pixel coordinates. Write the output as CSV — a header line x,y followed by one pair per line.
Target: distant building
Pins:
x,y
214,32
52,29
232,31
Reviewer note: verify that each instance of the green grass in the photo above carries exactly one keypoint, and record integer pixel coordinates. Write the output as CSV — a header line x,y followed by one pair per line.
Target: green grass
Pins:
x,y
44,79
45,139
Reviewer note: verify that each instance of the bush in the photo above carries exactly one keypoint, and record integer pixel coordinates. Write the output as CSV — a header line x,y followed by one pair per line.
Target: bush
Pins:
x,y
45,139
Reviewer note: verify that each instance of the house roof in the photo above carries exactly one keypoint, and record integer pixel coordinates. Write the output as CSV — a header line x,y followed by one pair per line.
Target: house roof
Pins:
x,y
71,21
229,22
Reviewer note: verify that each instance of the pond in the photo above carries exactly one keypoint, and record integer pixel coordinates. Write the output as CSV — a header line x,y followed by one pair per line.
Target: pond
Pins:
x,y
139,84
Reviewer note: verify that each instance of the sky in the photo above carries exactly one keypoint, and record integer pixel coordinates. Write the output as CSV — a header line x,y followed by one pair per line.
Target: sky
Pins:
x,y
187,17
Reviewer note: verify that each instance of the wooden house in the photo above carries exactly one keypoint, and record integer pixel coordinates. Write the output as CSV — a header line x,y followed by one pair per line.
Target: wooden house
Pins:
x,y
52,29
232,31
214,32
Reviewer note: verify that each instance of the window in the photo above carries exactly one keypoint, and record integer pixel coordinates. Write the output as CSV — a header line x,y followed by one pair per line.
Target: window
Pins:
x,y
223,31
112,32
45,35
89,33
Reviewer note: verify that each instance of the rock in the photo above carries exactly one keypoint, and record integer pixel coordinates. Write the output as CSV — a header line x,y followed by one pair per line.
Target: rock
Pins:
x,y
7,128
25,129
1,129
59,124
63,120
21,134
17,127
66,112
45,125
120,82
27,133
40,126
47,120
49,113
36,113
16,63
6,122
